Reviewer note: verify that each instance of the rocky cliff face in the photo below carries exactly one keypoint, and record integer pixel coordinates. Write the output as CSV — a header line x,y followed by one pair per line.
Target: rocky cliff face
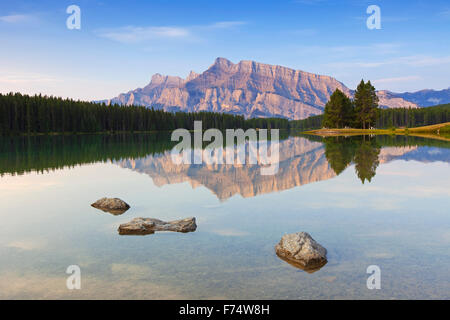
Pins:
x,y
247,88
388,99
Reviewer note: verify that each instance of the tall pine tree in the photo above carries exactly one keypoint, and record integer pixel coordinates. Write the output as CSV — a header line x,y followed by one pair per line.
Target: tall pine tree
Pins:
x,y
366,105
338,111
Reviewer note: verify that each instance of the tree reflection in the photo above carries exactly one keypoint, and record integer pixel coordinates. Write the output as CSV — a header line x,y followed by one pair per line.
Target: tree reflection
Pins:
x,y
366,159
339,152
363,151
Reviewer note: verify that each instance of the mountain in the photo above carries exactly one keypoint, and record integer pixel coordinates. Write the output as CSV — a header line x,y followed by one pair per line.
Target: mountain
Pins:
x,y
426,98
247,88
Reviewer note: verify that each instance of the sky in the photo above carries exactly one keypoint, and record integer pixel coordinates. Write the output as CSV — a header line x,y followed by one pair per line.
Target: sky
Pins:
x,y
121,44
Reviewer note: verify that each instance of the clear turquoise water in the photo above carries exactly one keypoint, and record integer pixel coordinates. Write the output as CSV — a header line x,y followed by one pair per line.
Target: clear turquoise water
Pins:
x,y
399,221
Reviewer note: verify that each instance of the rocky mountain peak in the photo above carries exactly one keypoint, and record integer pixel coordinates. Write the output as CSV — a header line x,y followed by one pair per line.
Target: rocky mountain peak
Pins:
x,y
248,88
192,75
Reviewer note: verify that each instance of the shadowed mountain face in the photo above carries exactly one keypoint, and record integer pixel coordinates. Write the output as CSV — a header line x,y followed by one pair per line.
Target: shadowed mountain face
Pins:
x,y
247,88
426,98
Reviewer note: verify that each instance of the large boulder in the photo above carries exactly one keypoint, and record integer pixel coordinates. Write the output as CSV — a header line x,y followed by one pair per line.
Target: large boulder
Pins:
x,y
302,251
142,226
111,205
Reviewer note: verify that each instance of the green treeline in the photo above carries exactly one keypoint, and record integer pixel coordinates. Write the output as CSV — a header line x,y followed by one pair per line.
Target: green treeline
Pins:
x,y
388,118
23,114
310,123
410,118
363,112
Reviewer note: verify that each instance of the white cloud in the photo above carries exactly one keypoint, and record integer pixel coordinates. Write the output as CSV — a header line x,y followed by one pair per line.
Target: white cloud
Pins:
x,y
347,51
395,80
411,61
135,34
16,18
132,34
445,13
227,24
25,78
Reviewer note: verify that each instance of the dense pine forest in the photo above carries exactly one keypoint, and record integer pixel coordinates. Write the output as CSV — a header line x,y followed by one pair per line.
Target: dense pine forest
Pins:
x,y
23,114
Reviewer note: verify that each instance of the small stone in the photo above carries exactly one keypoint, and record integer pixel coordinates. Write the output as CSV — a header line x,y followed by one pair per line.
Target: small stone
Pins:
x,y
143,226
112,205
302,251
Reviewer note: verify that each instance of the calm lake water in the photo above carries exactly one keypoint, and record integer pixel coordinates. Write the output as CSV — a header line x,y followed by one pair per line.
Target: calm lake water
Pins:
x,y
370,201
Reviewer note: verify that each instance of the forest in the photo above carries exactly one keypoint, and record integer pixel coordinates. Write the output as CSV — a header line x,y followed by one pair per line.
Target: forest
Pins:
x,y
24,114
390,118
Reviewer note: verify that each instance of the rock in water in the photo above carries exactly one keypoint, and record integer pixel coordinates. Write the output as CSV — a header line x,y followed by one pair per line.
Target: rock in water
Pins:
x,y
142,226
111,205
302,251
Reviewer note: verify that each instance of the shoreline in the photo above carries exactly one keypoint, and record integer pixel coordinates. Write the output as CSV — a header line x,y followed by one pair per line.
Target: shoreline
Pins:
x,y
431,132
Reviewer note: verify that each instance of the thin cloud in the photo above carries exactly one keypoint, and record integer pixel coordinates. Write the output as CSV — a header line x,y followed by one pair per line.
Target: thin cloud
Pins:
x,y
411,61
25,78
397,79
227,24
16,18
132,34
354,50
445,13
135,34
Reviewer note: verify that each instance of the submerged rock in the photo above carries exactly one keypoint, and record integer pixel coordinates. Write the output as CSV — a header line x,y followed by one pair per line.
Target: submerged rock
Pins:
x,y
142,226
111,205
302,251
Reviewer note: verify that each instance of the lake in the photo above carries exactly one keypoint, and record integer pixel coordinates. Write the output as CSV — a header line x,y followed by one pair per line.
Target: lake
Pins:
x,y
379,200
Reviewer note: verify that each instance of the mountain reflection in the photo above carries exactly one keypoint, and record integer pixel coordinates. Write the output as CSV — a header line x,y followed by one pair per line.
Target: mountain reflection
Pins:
x,y
301,162
303,159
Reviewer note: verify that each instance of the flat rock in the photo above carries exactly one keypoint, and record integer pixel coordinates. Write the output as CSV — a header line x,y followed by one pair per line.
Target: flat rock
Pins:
x,y
142,226
302,251
115,206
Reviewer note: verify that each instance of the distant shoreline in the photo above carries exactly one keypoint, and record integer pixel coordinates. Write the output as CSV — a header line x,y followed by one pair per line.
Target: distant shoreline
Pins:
x,y
432,131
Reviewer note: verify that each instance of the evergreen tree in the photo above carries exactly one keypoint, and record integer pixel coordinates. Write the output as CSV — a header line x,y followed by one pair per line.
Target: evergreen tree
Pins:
x,y
338,111
366,104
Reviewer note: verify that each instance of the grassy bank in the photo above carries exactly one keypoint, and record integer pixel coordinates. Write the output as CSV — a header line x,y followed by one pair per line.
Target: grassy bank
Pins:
x,y
436,131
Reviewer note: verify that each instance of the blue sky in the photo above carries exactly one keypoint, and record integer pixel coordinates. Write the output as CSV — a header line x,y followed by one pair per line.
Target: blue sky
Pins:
x,y
122,43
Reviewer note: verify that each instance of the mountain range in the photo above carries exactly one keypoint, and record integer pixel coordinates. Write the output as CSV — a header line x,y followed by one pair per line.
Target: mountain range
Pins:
x,y
255,89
